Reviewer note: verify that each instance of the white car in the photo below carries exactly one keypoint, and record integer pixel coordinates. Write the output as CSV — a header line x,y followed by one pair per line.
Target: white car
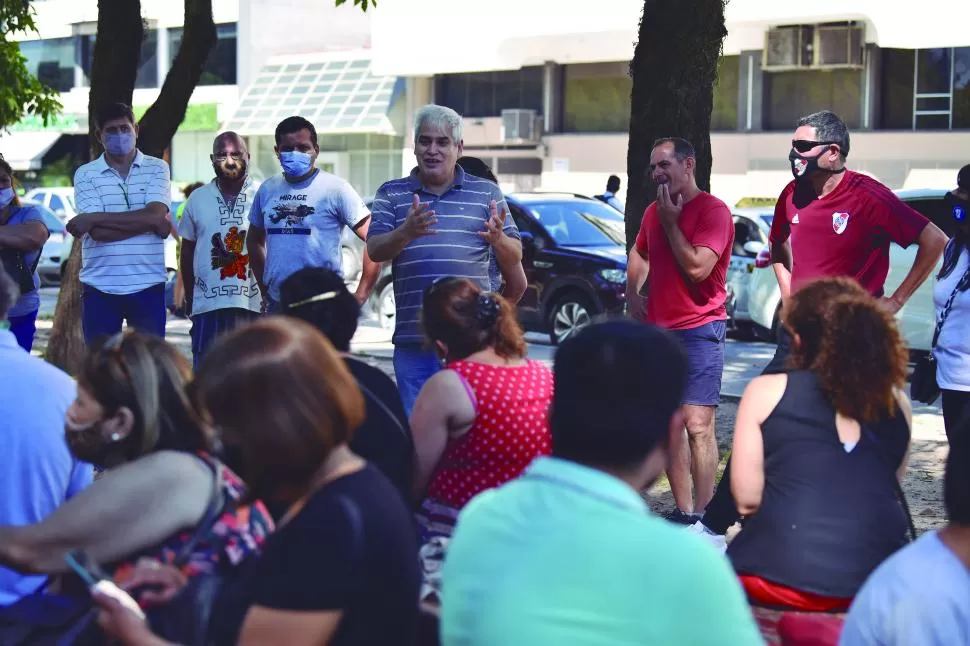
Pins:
x,y
751,228
917,319
60,200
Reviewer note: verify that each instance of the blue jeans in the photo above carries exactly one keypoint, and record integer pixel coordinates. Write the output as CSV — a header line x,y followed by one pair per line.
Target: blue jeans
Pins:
x,y
103,314
23,328
208,326
413,366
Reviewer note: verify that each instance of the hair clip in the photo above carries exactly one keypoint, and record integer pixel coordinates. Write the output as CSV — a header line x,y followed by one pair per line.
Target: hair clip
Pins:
x,y
326,296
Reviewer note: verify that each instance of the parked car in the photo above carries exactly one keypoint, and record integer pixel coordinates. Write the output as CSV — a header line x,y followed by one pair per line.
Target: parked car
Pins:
x,y
60,200
55,250
751,228
917,318
574,256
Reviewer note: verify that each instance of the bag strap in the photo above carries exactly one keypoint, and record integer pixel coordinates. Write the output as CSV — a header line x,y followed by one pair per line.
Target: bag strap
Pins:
x,y
897,488
384,407
213,512
947,307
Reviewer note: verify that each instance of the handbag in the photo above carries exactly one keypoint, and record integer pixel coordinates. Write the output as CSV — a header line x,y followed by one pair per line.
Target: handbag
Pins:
x,y
923,386
15,264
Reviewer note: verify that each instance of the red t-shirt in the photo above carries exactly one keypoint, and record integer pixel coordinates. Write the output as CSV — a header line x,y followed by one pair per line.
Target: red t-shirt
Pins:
x,y
673,300
845,233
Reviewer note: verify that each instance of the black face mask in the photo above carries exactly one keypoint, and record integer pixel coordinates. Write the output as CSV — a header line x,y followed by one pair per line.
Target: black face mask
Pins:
x,y
801,166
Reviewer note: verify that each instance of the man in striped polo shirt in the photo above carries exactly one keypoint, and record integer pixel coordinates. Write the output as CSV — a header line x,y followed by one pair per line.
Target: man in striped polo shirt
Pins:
x,y
123,198
439,221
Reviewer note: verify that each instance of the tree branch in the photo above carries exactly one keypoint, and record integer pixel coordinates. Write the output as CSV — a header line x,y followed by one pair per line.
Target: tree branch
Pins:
x,y
161,121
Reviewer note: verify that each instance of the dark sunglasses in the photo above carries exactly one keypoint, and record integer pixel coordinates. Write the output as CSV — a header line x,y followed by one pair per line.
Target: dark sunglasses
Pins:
x,y
804,145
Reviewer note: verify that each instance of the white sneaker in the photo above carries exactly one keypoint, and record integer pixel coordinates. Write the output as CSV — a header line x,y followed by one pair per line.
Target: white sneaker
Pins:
x,y
717,540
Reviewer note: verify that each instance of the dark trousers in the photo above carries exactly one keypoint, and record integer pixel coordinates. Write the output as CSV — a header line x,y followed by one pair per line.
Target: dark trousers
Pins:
x,y
209,326
722,511
102,315
23,328
956,415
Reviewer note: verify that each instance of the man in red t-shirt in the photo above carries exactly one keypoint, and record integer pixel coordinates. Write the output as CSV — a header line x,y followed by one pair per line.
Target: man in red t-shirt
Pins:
x,y
684,247
830,221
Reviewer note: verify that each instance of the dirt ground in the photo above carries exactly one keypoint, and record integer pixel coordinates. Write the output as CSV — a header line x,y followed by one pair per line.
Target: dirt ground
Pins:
x,y
924,478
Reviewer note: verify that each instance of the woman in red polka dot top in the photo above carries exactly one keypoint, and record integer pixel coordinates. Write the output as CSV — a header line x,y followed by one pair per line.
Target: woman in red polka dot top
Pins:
x,y
479,422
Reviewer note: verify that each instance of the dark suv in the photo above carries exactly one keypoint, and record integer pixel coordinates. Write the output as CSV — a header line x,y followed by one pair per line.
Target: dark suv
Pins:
x,y
574,257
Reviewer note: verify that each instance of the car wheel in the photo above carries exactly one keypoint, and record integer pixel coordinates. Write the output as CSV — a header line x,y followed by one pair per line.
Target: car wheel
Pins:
x,y
386,307
571,313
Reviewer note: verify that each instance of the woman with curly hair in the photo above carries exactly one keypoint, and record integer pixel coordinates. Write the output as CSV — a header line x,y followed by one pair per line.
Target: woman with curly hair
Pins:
x,y
481,421
817,454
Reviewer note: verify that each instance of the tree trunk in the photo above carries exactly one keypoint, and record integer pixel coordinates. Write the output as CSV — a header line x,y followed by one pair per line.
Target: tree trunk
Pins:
x,y
114,66
162,120
674,69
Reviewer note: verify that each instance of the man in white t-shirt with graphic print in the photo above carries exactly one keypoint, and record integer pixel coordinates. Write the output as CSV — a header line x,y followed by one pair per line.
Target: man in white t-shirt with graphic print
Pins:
x,y
220,289
297,217
123,198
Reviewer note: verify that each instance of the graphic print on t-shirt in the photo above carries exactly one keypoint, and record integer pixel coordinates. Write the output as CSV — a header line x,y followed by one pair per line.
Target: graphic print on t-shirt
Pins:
x,y
839,222
228,256
291,210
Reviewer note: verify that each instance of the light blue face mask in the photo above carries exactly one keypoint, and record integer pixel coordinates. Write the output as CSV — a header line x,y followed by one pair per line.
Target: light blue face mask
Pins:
x,y
119,145
295,163
6,196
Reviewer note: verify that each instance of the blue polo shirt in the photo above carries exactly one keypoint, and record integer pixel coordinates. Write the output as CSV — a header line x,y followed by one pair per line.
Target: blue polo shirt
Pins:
x,y
456,249
567,554
37,471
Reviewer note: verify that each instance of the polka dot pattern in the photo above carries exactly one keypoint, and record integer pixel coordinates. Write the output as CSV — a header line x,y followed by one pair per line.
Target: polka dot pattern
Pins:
x,y
510,430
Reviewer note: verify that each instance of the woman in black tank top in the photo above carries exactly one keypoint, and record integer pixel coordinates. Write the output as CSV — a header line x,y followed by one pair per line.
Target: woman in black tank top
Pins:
x,y
817,452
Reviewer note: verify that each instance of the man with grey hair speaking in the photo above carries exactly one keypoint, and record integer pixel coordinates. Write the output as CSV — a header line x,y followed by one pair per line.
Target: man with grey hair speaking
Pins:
x,y
439,221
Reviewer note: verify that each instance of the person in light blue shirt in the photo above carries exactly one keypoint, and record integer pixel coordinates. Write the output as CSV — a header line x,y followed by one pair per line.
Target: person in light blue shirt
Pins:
x,y
37,471
569,553
920,596
609,196
22,236
297,217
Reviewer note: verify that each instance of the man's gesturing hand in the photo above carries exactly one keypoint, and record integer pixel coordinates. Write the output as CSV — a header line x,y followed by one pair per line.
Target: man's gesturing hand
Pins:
x,y
419,220
493,227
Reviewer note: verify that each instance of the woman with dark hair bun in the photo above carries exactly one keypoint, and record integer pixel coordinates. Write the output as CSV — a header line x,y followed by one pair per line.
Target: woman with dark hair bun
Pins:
x,y
481,421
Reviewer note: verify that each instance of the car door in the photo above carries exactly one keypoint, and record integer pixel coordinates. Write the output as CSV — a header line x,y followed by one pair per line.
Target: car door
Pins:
x,y
741,266
917,319
536,269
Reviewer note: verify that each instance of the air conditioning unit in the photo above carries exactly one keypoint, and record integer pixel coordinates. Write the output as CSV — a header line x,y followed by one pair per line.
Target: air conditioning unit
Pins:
x,y
520,126
839,46
788,47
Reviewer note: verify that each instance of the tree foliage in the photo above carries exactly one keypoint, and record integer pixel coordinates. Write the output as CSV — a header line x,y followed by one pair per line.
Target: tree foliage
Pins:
x,y
21,94
674,69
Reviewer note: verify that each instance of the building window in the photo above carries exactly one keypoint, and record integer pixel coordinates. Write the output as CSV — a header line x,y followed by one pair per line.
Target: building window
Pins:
x,y
596,97
220,67
791,95
725,114
147,61
926,89
486,94
51,61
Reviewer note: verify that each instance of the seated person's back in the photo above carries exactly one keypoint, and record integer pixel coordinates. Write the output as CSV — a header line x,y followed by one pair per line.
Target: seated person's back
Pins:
x,y
569,553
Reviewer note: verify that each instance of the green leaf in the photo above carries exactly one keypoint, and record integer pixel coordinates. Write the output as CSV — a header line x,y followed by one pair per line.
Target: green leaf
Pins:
x,y
20,92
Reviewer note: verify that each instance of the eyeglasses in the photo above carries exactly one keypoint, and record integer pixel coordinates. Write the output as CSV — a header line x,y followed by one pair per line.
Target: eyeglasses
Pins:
x,y
235,156
804,145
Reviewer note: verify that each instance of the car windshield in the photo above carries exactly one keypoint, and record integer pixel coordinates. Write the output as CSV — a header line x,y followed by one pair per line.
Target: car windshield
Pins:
x,y
580,223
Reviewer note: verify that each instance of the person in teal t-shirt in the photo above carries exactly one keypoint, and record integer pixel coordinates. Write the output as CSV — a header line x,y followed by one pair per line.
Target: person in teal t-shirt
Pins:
x,y
569,552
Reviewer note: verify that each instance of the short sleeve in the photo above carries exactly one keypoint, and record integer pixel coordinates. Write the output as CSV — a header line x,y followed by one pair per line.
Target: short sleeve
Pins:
x,y
86,196
642,243
715,230
902,223
509,227
82,475
159,188
30,214
186,223
382,213
256,211
351,209
780,227
308,565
